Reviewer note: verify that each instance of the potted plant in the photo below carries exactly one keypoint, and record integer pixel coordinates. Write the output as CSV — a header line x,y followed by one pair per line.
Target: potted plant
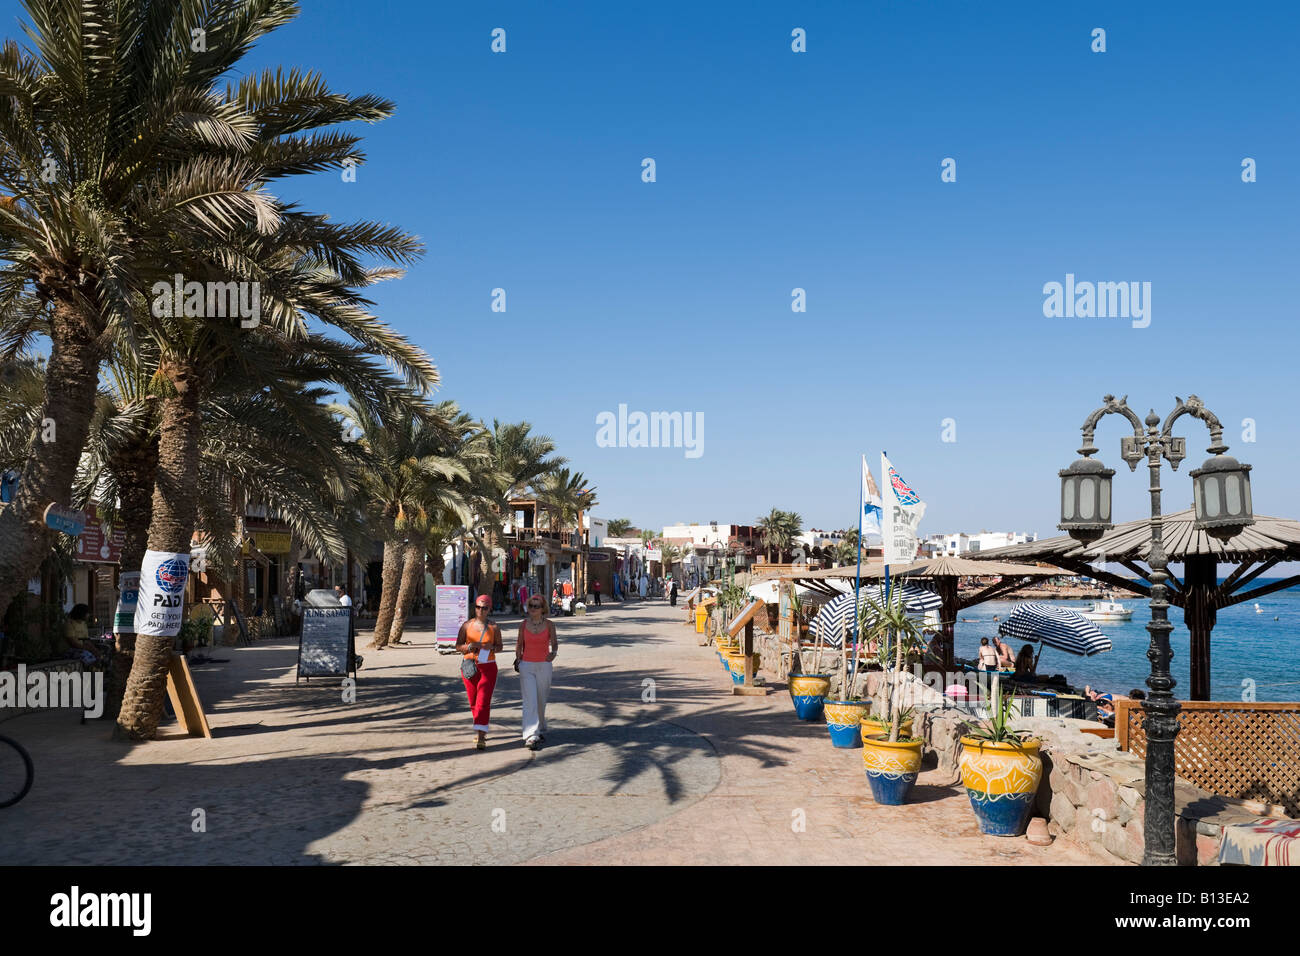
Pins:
x,y
808,691
844,716
1001,770
891,761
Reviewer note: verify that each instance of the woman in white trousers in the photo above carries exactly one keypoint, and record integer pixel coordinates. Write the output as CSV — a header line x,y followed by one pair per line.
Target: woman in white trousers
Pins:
x,y
535,649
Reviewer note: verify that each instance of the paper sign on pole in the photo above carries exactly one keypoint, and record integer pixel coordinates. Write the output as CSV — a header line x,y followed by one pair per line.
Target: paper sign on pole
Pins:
x,y
161,599
451,608
128,593
903,510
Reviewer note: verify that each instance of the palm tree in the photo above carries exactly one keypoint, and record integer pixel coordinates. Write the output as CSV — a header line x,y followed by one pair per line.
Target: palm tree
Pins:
x,y
789,528
619,527
770,527
109,129
846,552
409,478
566,497
306,267
517,459
670,554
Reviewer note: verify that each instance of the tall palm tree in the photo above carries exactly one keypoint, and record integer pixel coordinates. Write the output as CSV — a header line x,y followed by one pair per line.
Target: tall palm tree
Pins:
x,y
116,157
566,496
517,458
409,477
307,267
619,527
770,528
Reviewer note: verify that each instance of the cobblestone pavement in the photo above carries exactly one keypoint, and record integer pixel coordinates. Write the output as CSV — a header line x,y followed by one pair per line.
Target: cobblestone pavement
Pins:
x,y
677,771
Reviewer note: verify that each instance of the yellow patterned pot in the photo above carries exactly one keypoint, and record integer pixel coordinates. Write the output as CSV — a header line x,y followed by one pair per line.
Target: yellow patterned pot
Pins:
x,y
736,664
842,720
1002,781
809,693
871,727
891,768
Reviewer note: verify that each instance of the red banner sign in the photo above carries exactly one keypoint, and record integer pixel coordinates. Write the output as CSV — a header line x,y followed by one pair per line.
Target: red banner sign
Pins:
x,y
96,544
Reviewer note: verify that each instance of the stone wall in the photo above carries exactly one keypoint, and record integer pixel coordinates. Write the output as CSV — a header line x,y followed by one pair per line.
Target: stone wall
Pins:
x,y
1092,793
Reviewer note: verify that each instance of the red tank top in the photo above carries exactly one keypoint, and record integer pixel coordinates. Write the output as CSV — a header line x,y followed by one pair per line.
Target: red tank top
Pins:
x,y
537,646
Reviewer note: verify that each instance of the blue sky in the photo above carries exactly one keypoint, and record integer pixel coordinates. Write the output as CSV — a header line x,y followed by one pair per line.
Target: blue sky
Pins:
x,y
821,170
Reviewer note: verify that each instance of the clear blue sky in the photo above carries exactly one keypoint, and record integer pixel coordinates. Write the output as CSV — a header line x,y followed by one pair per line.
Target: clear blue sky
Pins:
x,y
821,170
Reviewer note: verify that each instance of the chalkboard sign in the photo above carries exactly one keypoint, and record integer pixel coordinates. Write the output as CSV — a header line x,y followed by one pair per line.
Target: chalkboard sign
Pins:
x,y
325,642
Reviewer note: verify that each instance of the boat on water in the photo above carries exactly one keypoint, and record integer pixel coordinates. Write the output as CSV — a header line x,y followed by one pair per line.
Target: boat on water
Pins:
x,y
1108,610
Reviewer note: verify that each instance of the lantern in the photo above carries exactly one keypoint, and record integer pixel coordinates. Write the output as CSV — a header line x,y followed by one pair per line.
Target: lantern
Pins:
x,y
1221,490
1085,500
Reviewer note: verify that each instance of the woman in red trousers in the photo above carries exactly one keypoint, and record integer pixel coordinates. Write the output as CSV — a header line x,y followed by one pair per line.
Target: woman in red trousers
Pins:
x,y
479,640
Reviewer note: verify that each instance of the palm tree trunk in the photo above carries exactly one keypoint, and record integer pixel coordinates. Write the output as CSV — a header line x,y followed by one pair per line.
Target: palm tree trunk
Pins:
x,y
175,506
388,593
70,381
136,468
412,568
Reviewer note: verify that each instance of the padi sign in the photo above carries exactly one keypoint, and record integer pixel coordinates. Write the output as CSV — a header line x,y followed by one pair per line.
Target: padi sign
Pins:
x,y
161,597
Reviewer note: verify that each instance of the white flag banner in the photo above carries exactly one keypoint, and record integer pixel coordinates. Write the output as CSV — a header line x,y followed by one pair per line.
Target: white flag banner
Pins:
x,y
161,600
903,511
870,502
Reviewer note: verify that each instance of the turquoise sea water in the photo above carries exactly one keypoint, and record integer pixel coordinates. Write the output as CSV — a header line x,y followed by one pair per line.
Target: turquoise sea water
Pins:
x,y
1262,647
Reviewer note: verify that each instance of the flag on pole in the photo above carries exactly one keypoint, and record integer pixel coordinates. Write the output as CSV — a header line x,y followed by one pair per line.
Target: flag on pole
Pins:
x,y
903,510
870,501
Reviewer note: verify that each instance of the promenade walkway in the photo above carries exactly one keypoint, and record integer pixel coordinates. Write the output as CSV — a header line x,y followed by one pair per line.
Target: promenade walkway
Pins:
x,y
686,774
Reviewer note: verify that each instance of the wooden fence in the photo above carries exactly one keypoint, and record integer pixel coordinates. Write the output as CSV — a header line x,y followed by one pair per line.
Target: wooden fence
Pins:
x,y
1246,751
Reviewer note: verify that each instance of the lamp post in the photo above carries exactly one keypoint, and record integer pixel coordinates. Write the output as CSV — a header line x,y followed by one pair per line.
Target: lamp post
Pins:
x,y
1221,490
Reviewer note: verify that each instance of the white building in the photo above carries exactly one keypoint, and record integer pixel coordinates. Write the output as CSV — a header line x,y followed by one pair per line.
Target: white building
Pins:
x,y
962,543
698,535
817,538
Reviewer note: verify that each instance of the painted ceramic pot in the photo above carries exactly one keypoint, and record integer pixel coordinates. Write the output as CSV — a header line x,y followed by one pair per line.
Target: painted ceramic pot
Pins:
x,y
843,717
1002,782
871,727
809,693
891,768
736,664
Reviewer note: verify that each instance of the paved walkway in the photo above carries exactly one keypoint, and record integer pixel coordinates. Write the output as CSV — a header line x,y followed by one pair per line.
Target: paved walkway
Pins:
x,y
688,774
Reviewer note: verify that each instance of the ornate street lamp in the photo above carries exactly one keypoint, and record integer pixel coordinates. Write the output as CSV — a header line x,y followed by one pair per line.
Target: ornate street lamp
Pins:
x,y
1221,489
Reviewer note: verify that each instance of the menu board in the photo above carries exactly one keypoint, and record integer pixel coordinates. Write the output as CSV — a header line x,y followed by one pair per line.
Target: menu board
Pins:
x,y
744,617
325,643
451,609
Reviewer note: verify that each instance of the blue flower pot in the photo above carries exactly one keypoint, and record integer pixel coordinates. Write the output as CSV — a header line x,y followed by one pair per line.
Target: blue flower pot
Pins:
x,y
808,691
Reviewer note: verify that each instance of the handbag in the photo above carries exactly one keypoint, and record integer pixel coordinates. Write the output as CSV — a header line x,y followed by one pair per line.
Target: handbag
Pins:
x,y
468,669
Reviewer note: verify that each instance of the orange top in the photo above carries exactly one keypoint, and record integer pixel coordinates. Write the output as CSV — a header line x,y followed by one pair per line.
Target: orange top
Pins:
x,y
537,644
474,632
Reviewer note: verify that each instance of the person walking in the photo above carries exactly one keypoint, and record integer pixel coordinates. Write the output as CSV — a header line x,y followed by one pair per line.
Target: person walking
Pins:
x,y
595,588
672,591
535,649
479,640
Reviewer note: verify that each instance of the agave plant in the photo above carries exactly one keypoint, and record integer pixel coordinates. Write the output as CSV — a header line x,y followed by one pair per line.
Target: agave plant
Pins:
x,y
897,634
997,728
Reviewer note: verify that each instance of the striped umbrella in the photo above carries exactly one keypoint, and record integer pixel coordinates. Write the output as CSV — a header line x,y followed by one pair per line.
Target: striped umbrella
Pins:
x,y
1057,627
837,613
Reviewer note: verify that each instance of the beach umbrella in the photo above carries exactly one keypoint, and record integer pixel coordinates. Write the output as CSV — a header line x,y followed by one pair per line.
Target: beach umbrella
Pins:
x,y
1057,627
837,614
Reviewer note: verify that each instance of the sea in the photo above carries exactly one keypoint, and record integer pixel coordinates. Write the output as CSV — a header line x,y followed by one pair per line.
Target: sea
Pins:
x,y
1254,654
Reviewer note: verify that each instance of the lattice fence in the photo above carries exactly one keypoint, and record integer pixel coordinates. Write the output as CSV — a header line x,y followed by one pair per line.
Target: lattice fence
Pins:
x,y
1247,751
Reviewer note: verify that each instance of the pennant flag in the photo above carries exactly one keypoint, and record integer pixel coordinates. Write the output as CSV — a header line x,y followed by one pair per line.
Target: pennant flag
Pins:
x,y
903,510
870,501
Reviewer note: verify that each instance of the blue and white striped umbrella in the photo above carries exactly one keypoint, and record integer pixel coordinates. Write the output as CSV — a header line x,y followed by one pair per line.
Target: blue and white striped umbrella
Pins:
x,y
838,612
1057,627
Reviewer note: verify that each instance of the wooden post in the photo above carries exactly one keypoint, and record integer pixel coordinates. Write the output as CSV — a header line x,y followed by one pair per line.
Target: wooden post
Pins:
x,y
948,594
1200,610
748,688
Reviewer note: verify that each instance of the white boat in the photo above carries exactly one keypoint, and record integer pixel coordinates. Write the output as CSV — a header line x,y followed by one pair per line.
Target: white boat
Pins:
x,y
1110,610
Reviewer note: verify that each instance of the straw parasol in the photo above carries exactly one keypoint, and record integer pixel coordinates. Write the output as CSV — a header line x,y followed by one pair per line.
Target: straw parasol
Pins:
x,y
1254,550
